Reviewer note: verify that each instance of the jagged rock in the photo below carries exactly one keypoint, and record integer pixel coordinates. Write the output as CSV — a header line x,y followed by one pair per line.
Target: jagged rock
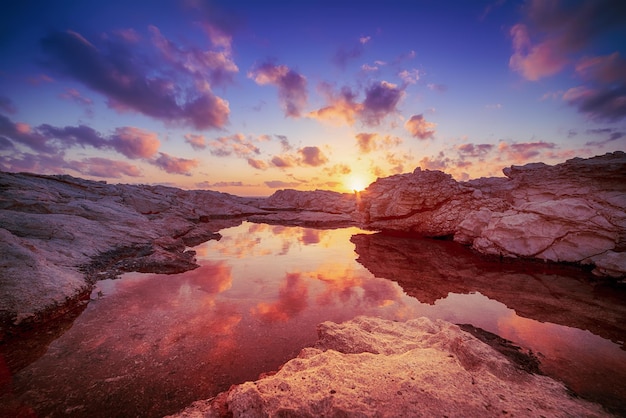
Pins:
x,y
370,367
570,212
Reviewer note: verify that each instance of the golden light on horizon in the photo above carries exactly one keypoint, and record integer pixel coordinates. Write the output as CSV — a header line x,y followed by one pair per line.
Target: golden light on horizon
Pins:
x,y
356,183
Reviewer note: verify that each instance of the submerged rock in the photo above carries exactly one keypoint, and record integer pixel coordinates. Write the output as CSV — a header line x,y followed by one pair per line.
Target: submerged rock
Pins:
x,y
370,367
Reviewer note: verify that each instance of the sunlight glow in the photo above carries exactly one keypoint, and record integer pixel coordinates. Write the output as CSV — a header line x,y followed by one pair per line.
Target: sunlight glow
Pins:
x,y
356,183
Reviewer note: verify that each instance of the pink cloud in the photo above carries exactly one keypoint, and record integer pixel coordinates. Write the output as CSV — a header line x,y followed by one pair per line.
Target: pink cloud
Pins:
x,y
524,151
134,142
440,162
23,133
419,128
197,142
215,66
283,161
258,164
312,156
342,107
236,144
381,100
175,165
366,142
104,167
142,82
291,86
535,61
474,150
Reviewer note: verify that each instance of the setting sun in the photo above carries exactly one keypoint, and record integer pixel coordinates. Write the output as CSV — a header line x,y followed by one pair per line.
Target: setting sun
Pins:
x,y
356,183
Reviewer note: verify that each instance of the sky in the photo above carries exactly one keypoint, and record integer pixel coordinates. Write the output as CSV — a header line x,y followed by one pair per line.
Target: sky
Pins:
x,y
248,97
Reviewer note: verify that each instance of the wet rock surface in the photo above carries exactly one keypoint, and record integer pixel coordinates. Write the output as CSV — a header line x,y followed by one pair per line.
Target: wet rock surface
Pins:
x,y
374,367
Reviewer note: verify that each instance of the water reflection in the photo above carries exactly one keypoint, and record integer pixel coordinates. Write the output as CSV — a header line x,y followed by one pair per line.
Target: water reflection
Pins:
x,y
152,344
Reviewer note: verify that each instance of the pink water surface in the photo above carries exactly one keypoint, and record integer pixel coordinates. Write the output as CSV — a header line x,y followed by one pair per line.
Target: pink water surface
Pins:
x,y
149,345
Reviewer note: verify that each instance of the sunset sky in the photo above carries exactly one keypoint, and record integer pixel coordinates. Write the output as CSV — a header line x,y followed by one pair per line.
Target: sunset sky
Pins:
x,y
248,97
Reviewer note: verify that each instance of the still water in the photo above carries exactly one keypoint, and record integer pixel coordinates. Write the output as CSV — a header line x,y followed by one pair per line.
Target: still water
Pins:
x,y
149,345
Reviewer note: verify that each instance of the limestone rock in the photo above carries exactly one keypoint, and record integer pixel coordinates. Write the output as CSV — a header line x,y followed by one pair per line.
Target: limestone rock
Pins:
x,y
570,212
370,367
58,234
315,201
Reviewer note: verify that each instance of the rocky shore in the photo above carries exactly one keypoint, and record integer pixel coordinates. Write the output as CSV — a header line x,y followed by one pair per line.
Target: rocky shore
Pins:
x,y
59,235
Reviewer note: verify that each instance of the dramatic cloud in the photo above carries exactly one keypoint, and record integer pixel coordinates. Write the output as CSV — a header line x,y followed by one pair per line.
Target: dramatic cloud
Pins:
x,y
133,81
419,128
22,133
604,98
562,28
218,66
291,86
381,100
236,144
197,142
174,165
557,33
134,142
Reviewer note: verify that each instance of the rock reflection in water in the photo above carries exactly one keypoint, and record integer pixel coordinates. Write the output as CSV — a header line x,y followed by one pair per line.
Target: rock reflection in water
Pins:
x,y
539,296
152,344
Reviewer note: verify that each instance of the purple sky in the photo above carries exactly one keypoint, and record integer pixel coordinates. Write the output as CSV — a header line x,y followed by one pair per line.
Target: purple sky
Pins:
x,y
249,96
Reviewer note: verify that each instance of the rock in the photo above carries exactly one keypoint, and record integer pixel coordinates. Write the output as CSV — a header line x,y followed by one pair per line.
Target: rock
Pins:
x,y
316,201
59,234
570,212
370,367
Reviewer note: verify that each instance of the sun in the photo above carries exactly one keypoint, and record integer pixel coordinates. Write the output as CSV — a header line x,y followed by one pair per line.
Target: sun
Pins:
x,y
356,183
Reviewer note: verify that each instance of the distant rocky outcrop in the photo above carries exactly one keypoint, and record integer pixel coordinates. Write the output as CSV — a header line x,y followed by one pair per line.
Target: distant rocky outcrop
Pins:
x,y
570,212
370,367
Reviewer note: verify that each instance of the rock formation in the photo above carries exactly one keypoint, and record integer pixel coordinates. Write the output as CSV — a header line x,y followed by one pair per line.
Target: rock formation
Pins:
x,y
370,367
59,234
570,212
